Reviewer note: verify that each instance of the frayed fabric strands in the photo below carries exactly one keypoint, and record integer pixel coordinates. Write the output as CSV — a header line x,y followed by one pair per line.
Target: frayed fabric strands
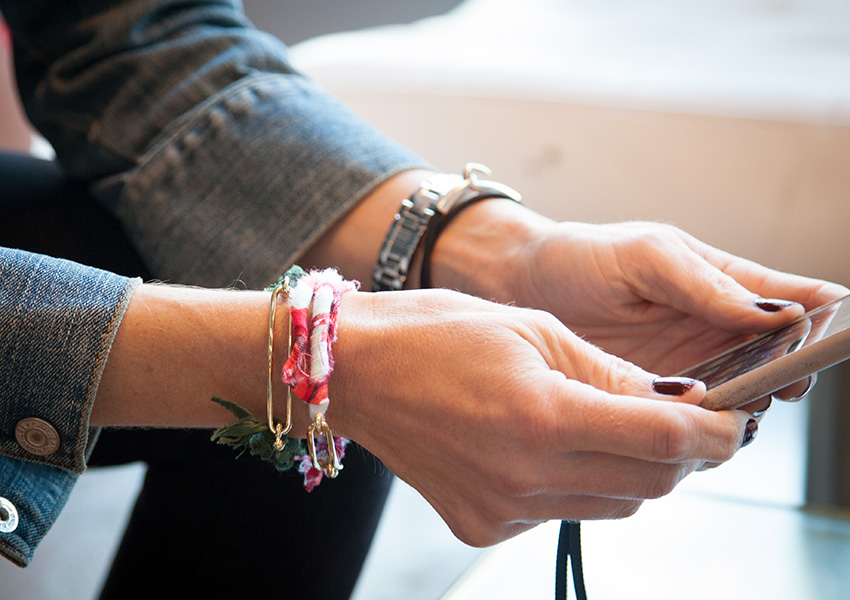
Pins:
x,y
314,308
313,475
313,299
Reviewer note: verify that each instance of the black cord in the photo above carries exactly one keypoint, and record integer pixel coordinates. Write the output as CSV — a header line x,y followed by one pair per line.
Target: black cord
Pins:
x,y
569,550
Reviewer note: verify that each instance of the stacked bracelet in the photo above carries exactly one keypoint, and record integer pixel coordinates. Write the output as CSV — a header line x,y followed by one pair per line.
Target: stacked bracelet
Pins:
x,y
313,300
437,201
310,362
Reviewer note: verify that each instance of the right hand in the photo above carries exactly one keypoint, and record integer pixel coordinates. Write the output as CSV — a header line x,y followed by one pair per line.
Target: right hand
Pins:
x,y
502,418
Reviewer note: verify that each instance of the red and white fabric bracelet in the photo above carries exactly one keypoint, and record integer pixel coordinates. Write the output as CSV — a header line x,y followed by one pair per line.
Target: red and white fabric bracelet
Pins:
x,y
314,308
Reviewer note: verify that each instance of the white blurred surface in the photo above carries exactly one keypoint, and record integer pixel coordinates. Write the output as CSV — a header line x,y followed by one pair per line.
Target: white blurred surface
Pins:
x,y
730,119
682,546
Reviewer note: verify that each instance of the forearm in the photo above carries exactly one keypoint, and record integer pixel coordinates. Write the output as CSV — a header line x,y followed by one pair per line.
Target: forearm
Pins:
x,y
471,255
179,346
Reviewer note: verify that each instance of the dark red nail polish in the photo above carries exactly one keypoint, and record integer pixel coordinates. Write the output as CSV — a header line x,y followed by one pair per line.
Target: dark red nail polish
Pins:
x,y
672,386
772,305
750,432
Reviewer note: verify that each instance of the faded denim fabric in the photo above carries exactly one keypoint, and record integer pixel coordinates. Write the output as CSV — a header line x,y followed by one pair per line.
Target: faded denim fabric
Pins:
x,y
57,323
221,161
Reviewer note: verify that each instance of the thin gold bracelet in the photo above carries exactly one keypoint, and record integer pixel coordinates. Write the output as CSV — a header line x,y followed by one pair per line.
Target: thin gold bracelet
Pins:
x,y
278,430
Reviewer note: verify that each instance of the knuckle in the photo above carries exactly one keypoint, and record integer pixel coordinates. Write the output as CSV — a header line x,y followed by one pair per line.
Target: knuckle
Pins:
x,y
627,509
537,430
729,449
485,529
653,238
674,439
621,375
515,483
475,537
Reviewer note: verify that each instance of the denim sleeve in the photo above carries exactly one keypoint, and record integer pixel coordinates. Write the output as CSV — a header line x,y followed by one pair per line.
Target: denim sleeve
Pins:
x,y
220,159
57,323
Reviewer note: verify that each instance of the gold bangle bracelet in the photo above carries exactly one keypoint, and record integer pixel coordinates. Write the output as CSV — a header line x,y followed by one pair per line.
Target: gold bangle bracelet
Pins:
x,y
276,428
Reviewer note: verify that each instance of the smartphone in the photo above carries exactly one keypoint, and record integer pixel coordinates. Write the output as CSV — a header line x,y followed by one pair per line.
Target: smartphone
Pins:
x,y
771,361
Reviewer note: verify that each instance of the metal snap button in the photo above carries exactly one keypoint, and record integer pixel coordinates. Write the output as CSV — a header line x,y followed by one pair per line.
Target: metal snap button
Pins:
x,y
37,436
8,516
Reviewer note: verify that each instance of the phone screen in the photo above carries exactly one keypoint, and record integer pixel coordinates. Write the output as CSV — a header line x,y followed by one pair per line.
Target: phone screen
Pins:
x,y
815,327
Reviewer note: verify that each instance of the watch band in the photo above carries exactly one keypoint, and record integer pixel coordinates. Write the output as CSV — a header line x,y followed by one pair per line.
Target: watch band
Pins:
x,y
437,195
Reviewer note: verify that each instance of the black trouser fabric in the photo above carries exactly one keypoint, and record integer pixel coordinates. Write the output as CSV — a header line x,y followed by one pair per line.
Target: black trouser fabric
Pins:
x,y
205,522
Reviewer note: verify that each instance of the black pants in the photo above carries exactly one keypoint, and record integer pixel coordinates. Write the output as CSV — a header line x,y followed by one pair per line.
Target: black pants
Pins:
x,y
205,523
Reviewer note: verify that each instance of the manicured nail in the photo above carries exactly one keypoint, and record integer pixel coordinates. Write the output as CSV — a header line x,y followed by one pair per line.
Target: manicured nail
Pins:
x,y
672,386
750,432
772,305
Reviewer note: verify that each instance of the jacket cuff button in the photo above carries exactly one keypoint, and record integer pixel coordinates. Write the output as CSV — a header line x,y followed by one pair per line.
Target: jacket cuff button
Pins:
x,y
37,436
8,516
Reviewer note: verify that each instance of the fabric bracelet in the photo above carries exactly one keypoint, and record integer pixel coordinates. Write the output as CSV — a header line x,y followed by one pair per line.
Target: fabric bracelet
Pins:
x,y
314,309
313,302
314,305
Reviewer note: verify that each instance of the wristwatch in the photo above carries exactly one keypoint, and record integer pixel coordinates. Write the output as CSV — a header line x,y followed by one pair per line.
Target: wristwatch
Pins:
x,y
435,197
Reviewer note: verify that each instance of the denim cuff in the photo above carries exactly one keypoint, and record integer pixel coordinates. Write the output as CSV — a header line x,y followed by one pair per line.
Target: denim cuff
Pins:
x,y
233,192
57,323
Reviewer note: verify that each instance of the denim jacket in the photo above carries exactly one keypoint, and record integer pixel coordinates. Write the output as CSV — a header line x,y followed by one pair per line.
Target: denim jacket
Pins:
x,y
221,161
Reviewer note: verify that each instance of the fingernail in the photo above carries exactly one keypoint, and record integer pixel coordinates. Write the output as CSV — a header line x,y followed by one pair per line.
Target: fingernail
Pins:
x,y
672,386
750,432
760,413
813,379
772,305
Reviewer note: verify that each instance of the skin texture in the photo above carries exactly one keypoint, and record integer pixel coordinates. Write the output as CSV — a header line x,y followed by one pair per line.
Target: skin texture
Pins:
x,y
520,420
502,416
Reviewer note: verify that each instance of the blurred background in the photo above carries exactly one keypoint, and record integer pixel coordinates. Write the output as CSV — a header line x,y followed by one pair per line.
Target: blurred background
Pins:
x,y
729,119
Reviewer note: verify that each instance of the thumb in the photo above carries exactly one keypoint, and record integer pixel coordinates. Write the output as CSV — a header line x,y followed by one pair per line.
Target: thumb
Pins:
x,y
715,287
626,379
593,366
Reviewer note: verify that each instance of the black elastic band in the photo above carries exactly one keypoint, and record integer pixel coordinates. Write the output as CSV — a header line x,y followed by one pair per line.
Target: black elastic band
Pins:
x,y
569,550
436,226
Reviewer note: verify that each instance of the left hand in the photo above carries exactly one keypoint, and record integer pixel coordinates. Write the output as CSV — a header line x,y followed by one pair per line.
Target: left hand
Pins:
x,y
647,292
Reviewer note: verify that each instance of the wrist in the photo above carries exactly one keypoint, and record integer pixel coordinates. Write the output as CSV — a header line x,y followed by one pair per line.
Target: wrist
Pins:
x,y
483,247
421,219
348,384
352,244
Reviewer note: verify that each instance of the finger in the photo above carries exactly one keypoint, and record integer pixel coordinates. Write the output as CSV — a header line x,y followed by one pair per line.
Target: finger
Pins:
x,y
588,508
767,283
797,390
704,288
675,270
563,351
485,527
730,293
758,408
482,513
494,511
644,428
614,409
618,477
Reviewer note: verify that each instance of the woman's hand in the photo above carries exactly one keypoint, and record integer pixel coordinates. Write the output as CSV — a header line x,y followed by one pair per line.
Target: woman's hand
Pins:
x,y
644,291
502,418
